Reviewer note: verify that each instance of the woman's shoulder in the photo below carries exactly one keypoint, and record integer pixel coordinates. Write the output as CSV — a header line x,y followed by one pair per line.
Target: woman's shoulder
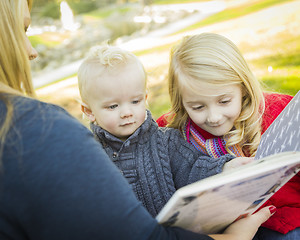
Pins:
x,y
36,120
45,131
26,105
33,111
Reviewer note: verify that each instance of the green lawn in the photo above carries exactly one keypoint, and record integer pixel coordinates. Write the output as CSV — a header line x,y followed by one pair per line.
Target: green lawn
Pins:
x,y
106,12
44,40
283,58
285,63
176,1
280,54
231,13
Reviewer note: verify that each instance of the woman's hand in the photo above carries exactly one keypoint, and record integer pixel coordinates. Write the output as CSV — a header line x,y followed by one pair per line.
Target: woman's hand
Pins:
x,y
245,228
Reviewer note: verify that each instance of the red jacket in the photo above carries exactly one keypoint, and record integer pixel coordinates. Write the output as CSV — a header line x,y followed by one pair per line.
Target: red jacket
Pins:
x,y
287,199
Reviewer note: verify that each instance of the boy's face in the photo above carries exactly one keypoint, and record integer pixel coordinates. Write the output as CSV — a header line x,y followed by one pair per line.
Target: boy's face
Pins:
x,y
117,100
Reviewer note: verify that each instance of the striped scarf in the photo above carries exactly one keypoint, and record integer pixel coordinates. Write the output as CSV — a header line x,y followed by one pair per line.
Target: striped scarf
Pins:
x,y
213,147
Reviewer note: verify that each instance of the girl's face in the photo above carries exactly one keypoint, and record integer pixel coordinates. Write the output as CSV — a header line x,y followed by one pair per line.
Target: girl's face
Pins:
x,y
32,53
214,109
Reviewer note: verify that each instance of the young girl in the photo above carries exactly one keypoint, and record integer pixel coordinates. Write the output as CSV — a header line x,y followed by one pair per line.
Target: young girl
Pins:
x,y
219,106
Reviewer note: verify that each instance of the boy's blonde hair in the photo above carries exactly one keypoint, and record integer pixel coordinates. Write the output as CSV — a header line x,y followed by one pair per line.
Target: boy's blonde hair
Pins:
x,y
215,61
100,59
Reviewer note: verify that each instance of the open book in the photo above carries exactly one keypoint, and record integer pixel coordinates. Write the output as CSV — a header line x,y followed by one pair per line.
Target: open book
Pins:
x,y
210,205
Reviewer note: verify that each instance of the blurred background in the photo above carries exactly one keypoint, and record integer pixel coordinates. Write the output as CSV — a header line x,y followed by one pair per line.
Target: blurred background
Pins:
x,y
266,31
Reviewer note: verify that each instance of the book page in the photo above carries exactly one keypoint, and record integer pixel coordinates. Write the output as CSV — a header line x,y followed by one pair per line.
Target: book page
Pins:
x,y
205,209
284,133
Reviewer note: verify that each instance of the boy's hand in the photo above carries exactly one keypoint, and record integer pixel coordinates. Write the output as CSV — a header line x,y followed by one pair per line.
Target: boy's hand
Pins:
x,y
237,162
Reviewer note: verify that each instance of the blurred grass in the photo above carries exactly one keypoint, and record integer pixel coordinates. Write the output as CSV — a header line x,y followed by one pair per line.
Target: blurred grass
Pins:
x,y
282,56
284,64
52,39
280,53
44,39
231,13
284,84
158,96
103,13
160,48
176,1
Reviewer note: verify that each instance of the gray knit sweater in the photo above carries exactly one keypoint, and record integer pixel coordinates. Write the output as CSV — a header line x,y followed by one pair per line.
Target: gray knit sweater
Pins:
x,y
157,161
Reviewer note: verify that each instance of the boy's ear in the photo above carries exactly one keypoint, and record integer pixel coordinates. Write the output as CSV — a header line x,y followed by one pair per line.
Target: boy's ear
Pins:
x,y
88,112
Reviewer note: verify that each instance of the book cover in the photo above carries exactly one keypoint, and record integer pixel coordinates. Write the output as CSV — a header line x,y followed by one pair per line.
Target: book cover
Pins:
x,y
284,133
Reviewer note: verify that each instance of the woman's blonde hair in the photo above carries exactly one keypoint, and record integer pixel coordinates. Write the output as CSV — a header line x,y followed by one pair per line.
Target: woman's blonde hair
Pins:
x,y
15,74
216,61
102,58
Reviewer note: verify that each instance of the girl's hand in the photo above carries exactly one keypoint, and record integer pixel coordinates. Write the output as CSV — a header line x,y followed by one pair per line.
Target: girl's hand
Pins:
x,y
245,228
237,162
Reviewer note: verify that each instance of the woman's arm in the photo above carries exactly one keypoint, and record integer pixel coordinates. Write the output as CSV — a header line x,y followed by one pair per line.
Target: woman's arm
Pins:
x,y
59,184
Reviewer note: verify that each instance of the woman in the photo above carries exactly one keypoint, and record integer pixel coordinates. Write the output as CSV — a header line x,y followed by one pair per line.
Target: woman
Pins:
x,y
56,181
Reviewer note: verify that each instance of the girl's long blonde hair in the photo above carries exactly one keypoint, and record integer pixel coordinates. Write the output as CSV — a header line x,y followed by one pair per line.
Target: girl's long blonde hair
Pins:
x,y
15,74
216,61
